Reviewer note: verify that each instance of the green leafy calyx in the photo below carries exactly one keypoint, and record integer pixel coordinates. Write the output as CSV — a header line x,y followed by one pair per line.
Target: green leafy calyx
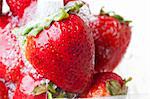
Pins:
x,y
114,88
52,91
62,13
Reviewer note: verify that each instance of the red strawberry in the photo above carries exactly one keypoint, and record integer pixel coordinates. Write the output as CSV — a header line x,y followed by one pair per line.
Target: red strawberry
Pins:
x,y
17,7
10,55
3,91
112,36
106,84
60,53
4,20
1,3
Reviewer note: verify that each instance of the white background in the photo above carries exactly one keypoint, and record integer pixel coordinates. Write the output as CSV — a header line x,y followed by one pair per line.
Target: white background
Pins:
x,y
136,62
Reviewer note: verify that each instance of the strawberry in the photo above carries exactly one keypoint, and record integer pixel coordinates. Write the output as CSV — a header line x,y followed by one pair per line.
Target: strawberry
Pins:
x,y
10,55
112,35
17,7
59,52
4,20
3,91
106,84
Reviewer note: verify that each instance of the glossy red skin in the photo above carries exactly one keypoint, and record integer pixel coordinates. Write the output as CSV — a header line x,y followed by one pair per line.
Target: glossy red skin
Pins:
x,y
64,54
4,20
66,1
10,56
17,7
26,85
98,87
111,41
3,91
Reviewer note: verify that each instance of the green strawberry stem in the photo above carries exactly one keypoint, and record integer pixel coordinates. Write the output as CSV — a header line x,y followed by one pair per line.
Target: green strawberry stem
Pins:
x,y
27,30
58,16
102,12
49,95
61,15
120,18
128,80
113,14
52,91
40,89
115,88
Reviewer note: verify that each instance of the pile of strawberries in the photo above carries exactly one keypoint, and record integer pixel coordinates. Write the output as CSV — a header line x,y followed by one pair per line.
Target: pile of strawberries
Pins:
x,y
68,54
